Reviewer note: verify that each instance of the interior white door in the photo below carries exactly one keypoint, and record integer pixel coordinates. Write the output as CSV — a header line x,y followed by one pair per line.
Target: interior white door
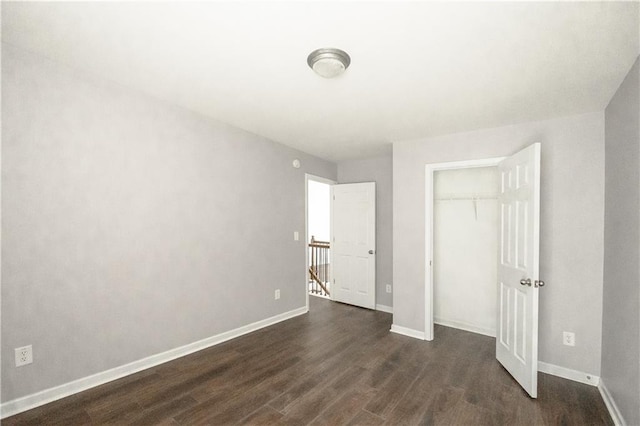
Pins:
x,y
353,244
518,266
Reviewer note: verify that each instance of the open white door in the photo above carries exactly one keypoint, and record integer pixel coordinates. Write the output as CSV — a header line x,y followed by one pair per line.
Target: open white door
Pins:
x,y
518,266
353,244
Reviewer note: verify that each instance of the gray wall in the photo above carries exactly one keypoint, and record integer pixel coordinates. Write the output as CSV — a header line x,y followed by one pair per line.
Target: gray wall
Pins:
x,y
131,227
572,217
378,170
621,323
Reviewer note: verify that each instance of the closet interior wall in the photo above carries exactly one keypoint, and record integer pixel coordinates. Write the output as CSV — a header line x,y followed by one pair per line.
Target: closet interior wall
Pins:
x,y
465,248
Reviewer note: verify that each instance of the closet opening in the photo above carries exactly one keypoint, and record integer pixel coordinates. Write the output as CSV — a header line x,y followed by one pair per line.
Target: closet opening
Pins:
x,y
465,241
461,246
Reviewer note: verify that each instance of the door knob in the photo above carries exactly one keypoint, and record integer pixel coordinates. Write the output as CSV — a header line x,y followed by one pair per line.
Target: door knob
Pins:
x,y
539,283
526,282
370,251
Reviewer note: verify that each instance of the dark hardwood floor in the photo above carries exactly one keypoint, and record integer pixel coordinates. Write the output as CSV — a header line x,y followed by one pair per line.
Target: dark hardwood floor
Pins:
x,y
337,365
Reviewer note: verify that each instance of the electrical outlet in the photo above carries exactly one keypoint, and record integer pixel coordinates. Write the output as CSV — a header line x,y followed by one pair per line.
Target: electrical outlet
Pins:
x,y
388,288
569,338
277,295
24,355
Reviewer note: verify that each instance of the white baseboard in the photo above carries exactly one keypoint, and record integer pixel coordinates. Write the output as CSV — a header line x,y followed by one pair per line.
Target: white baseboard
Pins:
x,y
465,326
384,308
567,373
407,332
52,394
614,412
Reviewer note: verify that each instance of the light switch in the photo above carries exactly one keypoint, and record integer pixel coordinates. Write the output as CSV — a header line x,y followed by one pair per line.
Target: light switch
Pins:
x,y
296,236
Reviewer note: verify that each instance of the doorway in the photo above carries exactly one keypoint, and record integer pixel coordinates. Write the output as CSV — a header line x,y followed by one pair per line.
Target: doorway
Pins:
x,y
465,239
340,241
317,235
463,171
517,255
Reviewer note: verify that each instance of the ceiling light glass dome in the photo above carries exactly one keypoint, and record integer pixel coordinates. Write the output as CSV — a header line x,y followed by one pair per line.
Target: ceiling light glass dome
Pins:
x,y
328,62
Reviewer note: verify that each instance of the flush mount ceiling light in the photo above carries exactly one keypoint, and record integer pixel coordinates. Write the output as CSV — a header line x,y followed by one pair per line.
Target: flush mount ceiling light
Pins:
x,y
328,62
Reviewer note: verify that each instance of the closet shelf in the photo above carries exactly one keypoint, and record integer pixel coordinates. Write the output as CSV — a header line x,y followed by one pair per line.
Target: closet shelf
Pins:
x,y
466,197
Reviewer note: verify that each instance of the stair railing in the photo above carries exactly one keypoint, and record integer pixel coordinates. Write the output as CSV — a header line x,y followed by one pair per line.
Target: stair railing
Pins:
x,y
319,267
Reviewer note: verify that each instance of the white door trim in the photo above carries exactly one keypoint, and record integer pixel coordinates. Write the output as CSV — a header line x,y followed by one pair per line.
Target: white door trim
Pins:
x,y
307,178
428,273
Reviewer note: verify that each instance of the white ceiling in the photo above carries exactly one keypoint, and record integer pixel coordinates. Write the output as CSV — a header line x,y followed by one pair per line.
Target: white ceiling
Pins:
x,y
417,68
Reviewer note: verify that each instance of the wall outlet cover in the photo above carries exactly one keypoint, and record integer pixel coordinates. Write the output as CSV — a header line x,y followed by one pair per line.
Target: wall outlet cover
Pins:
x,y
388,288
277,294
568,338
24,355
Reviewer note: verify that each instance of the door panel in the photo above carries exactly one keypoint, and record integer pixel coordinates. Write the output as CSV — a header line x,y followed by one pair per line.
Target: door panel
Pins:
x,y
353,218
518,261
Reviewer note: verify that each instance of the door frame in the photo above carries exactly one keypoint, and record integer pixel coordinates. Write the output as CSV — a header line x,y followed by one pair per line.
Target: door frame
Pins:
x,y
307,178
430,169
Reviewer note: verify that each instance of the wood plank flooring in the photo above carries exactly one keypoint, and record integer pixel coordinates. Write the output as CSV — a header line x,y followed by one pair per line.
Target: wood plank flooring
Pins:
x,y
338,365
